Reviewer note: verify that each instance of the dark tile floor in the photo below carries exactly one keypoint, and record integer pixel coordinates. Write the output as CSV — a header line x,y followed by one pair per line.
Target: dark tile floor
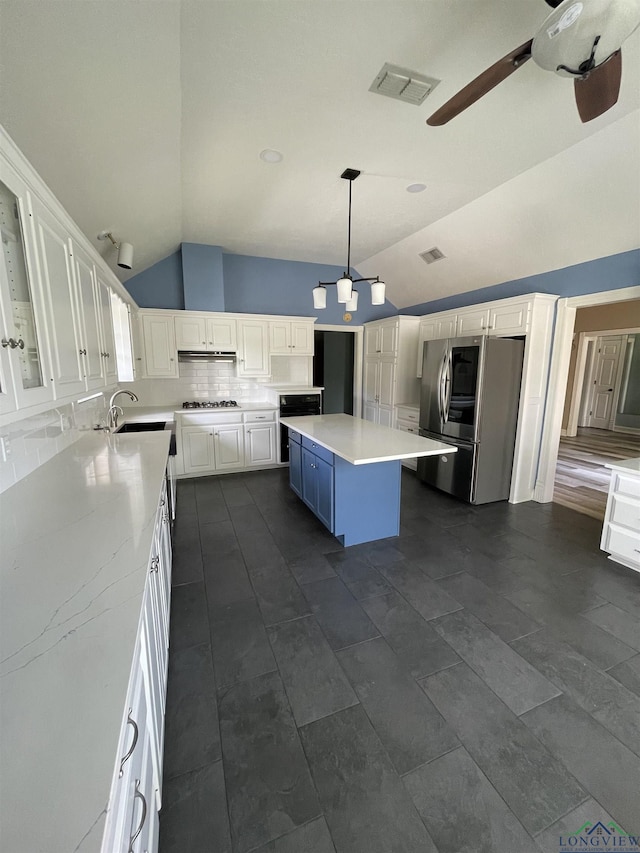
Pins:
x,y
473,685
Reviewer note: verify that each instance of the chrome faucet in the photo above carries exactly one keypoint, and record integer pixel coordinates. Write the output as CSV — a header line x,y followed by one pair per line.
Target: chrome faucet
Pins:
x,y
114,411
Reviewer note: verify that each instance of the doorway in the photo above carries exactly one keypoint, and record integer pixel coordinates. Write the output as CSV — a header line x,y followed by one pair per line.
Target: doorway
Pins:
x,y
333,369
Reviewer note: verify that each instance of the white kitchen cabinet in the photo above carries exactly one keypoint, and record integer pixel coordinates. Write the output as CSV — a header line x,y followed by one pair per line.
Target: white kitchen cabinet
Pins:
x,y
200,333
64,324
621,529
196,444
228,446
260,444
291,338
389,367
473,322
512,318
25,377
108,343
435,328
90,322
407,420
160,352
253,348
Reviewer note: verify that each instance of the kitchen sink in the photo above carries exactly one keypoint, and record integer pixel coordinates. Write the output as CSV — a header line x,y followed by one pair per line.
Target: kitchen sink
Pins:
x,y
143,426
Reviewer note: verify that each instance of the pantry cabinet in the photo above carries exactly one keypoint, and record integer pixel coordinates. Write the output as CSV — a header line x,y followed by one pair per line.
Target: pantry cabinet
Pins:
x,y
388,371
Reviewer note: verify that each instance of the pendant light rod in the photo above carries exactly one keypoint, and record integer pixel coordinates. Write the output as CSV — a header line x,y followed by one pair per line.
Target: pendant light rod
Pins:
x,y
349,231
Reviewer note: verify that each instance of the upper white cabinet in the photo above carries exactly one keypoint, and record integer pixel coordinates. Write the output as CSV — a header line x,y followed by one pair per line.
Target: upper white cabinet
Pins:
x,y
107,338
90,319
24,365
503,318
160,353
253,348
65,333
291,338
197,332
381,338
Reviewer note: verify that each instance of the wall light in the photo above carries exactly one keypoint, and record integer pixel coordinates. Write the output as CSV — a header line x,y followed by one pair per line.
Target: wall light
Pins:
x,y
125,250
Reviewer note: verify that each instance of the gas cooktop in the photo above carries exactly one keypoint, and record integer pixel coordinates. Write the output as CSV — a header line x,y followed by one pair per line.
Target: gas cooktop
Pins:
x,y
210,404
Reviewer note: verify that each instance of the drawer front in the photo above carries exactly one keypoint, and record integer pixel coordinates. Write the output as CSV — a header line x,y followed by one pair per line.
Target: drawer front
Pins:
x,y
257,417
625,485
626,512
207,418
408,426
408,414
294,436
320,452
624,543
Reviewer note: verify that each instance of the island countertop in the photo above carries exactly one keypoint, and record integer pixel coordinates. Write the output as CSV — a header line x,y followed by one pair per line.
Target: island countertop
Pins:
x,y
360,442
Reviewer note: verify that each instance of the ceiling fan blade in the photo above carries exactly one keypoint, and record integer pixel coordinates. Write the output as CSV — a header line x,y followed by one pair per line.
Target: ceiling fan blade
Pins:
x,y
484,83
598,92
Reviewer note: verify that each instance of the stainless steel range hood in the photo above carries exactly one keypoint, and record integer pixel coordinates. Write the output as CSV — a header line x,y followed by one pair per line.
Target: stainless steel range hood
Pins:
x,y
191,356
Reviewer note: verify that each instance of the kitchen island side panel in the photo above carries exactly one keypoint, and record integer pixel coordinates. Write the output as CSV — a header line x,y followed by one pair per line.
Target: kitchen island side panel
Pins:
x,y
367,501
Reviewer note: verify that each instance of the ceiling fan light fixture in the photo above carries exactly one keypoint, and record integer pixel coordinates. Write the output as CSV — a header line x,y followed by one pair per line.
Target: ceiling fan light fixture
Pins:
x,y
319,297
377,292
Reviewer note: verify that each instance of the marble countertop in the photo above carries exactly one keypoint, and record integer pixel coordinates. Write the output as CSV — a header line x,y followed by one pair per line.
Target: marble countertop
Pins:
x,y
361,442
76,540
628,465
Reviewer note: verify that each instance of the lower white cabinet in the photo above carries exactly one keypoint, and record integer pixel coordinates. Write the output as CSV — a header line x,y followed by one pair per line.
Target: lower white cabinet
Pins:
x,y
407,420
621,529
227,441
132,821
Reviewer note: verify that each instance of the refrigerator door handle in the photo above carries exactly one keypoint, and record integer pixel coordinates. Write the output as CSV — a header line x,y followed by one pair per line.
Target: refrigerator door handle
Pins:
x,y
447,385
441,387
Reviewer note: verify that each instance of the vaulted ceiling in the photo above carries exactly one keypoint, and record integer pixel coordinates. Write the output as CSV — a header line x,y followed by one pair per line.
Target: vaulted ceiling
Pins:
x,y
147,117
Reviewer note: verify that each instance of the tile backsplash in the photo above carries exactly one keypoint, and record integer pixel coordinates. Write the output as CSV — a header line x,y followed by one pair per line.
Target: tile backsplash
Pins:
x,y
32,441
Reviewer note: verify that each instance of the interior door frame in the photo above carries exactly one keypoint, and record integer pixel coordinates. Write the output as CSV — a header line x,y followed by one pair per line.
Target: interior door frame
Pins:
x,y
558,376
583,366
358,359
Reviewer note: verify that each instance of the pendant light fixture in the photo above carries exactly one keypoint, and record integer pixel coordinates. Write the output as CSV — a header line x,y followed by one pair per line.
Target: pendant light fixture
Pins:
x,y
344,285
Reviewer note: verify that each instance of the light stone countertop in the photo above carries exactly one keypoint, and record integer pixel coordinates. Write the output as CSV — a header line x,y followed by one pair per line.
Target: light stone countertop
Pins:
x,y
76,538
361,442
629,465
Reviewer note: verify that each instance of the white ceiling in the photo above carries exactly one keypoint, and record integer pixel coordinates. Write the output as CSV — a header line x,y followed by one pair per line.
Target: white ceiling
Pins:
x,y
147,117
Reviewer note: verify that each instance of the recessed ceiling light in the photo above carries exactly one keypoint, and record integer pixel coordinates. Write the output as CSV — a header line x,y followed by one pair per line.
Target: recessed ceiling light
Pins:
x,y
416,188
270,156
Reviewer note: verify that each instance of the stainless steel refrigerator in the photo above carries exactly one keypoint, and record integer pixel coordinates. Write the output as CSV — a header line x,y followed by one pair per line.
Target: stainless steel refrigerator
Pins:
x,y
469,397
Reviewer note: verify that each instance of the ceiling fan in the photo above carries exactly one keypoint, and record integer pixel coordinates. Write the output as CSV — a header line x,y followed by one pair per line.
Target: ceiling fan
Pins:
x,y
579,39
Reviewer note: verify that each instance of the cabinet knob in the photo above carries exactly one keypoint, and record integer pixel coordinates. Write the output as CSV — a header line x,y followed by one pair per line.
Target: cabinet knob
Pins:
x,y
204,343
155,562
82,351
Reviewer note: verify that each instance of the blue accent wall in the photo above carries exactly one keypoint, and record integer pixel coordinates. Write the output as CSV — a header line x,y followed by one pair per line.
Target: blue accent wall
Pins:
x,y
159,286
270,286
610,273
202,277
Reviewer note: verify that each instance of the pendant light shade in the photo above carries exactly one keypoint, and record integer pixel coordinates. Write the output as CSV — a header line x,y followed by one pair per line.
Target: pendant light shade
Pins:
x,y
377,292
319,297
344,288
352,304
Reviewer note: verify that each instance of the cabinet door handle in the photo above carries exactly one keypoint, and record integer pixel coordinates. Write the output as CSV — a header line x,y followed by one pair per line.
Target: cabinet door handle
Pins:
x,y
138,795
82,351
155,562
20,343
129,753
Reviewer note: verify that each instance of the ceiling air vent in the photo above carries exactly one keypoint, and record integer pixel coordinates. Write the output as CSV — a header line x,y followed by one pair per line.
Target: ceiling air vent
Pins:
x,y
402,84
432,255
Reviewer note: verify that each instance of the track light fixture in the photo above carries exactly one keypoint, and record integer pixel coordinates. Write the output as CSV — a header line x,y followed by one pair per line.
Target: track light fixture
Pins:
x,y
344,285
125,250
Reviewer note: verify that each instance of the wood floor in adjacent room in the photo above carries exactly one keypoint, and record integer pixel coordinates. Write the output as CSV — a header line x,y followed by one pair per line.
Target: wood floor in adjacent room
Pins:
x,y
582,481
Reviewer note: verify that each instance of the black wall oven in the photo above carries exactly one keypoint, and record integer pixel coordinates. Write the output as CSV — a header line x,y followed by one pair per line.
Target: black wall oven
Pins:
x,y
292,405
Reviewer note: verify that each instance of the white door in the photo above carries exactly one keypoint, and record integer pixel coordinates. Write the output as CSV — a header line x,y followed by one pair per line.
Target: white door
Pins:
x,y
385,416
280,336
228,443
386,383
253,348
221,334
605,374
473,322
371,381
301,339
389,339
371,340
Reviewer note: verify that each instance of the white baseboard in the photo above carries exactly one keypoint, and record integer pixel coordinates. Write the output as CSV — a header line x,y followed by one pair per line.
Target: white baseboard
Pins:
x,y
629,430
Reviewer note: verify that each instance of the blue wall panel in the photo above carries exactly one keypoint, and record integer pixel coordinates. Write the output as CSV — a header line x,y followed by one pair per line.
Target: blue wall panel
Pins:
x,y
202,276
159,286
608,273
271,286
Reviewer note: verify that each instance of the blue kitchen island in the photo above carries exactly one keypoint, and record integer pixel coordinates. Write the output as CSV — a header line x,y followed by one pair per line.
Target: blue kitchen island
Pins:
x,y
348,472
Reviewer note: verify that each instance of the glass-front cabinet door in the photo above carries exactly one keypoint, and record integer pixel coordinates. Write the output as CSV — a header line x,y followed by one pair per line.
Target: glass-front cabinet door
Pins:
x,y
23,378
